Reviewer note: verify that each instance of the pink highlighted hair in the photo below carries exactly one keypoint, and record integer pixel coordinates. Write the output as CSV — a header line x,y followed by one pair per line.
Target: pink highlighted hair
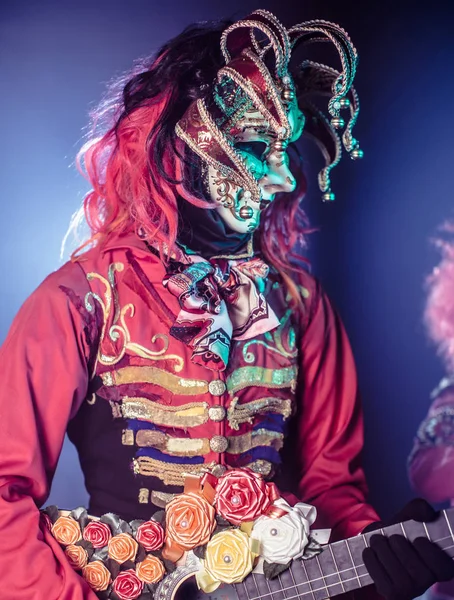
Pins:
x,y
135,163
439,312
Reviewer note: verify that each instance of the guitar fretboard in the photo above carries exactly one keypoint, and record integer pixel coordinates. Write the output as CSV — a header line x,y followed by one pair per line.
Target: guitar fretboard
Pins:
x,y
339,568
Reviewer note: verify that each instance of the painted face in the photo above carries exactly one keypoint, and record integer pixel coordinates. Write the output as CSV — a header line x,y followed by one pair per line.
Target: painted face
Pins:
x,y
267,160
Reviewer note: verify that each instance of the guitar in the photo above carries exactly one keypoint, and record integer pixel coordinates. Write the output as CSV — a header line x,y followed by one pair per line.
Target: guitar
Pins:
x,y
338,569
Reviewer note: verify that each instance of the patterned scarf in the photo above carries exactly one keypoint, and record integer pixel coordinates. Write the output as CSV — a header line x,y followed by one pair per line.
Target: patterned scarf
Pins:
x,y
221,300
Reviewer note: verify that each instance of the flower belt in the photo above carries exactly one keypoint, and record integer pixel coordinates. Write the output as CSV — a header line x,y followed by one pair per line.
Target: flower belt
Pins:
x,y
234,524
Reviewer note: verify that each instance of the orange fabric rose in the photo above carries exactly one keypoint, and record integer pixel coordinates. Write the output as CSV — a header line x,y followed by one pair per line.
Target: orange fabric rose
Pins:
x,y
77,556
190,521
122,547
150,570
66,530
97,576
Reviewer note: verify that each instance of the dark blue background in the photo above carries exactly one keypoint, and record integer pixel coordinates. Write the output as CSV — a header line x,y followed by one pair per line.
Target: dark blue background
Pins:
x,y
372,252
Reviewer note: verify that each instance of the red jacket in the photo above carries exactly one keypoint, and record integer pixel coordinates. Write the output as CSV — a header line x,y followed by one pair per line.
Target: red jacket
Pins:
x,y
96,337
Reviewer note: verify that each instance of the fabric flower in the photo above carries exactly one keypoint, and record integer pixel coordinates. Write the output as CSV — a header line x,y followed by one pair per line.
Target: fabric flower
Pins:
x,y
190,521
151,535
228,559
45,520
284,538
66,530
97,533
97,576
77,556
122,547
242,495
150,570
127,585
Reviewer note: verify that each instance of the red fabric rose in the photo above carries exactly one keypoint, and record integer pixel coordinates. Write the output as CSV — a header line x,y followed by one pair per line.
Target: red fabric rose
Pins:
x,y
242,495
45,520
127,585
151,535
97,533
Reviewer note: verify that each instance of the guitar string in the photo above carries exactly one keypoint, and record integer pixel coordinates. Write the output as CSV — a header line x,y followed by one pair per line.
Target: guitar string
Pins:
x,y
308,579
325,587
335,564
353,562
321,571
282,586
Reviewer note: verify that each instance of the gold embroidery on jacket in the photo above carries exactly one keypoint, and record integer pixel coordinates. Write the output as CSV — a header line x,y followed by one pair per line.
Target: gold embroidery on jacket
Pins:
x,y
171,445
261,377
146,374
281,340
127,437
168,473
175,446
264,467
185,415
144,494
261,437
161,499
114,327
245,413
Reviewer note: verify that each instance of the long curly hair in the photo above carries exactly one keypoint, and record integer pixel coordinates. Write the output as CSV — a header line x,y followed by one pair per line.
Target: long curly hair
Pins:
x,y
439,310
136,164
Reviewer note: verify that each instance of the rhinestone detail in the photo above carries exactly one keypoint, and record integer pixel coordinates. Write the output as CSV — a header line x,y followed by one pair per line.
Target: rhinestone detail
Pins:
x,y
216,387
219,443
218,470
217,413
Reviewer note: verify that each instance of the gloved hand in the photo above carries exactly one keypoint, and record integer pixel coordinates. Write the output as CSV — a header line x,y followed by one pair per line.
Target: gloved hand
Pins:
x,y
401,569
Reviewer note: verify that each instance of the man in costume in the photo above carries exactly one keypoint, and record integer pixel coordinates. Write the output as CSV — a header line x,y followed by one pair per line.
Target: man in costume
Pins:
x,y
186,338
431,461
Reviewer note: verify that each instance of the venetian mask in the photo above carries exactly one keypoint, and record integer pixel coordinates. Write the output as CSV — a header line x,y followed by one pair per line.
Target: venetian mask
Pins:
x,y
242,127
267,160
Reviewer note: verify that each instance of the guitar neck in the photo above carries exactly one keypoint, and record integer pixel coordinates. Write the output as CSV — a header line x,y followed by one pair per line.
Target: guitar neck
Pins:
x,y
339,568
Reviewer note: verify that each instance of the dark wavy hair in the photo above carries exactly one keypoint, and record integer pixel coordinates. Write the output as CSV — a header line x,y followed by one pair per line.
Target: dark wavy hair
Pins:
x,y
136,164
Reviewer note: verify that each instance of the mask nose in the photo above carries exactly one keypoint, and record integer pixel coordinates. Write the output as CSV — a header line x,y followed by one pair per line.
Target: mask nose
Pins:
x,y
279,178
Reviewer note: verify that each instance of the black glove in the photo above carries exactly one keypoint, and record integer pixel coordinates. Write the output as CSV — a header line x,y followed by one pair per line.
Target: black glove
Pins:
x,y
401,569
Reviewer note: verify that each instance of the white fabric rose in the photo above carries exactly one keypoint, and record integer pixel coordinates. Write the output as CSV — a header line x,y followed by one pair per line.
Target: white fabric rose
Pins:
x,y
284,538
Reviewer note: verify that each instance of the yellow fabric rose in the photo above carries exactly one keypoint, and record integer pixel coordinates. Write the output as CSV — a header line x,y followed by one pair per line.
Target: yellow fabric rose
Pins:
x,y
228,559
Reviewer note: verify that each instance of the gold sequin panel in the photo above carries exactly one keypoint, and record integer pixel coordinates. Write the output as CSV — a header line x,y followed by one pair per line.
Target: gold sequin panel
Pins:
x,y
159,377
245,377
183,416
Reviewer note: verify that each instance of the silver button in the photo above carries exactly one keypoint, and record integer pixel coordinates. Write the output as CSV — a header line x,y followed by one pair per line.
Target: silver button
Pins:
x,y
219,443
217,413
216,387
218,470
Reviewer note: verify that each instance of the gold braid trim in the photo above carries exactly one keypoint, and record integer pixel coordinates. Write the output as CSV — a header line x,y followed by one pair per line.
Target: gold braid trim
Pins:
x,y
168,473
168,381
245,413
185,415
